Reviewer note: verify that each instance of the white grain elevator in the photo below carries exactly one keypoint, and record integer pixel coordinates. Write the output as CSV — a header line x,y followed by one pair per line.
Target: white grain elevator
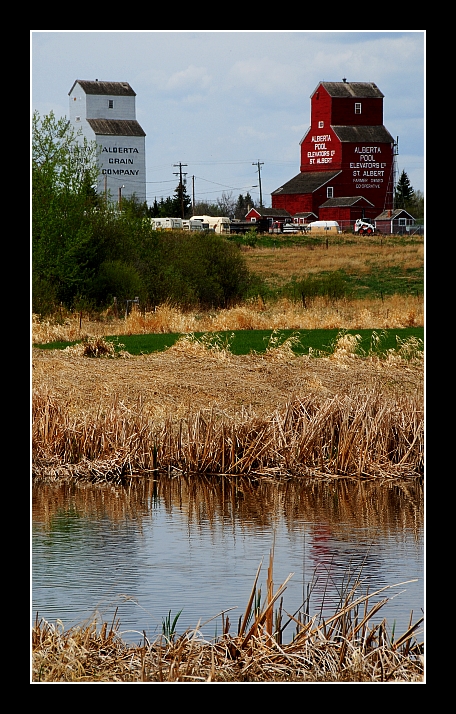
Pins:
x,y
106,112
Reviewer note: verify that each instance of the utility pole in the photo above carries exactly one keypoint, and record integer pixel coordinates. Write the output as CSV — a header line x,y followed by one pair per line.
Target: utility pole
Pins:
x,y
193,194
181,185
120,197
259,164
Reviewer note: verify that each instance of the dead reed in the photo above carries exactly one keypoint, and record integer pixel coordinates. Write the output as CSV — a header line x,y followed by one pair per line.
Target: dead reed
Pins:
x,y
346,647
367,435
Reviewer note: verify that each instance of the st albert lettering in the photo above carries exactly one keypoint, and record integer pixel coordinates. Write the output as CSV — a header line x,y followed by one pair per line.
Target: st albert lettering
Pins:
x,y
368,160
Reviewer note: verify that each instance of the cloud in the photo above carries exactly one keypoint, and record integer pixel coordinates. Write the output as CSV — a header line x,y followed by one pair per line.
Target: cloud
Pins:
x,y
217,96
190,77
265,77
251,132
185,82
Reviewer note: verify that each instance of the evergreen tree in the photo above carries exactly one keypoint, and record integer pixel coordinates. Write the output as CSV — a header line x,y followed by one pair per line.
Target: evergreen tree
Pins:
x,y
166,208
416,206
243,205
182,203
404,193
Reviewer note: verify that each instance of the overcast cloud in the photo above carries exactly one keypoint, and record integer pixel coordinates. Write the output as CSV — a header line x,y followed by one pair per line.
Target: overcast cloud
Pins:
x,y
220,101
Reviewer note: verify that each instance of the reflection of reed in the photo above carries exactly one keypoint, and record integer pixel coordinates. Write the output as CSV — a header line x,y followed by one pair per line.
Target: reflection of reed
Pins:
x,y
386,507
367,435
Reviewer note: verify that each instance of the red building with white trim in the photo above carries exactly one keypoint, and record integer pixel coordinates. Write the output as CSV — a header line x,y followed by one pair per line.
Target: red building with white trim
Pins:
x,y
347,156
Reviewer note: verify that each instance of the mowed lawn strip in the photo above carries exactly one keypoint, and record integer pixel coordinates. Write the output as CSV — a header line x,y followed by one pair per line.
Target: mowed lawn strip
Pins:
x,y
242,342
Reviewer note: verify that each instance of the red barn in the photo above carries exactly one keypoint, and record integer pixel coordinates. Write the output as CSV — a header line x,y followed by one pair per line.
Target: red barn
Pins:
x,y
344,210
346,154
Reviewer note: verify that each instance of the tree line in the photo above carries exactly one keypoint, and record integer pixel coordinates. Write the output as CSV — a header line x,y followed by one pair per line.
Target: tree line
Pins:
x,y
180,205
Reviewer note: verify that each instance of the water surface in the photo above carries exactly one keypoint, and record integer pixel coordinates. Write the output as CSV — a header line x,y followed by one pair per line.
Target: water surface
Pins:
x,y
195,546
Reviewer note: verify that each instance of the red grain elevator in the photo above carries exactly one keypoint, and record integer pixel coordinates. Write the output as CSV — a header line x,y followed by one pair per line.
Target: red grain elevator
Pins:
x,y
347,155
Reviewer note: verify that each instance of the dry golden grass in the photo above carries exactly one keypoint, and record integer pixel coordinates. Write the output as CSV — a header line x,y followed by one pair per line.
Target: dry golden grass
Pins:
x,y
344,648
362,255
367,424
390,313
188,377
239,404
201,410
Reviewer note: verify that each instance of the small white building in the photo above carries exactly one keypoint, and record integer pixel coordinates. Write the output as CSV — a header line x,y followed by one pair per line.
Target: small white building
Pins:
x,y
106,112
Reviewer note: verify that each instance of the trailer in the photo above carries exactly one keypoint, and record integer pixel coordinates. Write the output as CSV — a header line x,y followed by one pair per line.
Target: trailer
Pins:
x,y
194,225
217,224
324,227
166,224
261,225
241,227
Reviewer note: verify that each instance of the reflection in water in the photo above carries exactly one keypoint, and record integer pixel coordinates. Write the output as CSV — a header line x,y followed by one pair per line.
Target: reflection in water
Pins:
x,y
195,544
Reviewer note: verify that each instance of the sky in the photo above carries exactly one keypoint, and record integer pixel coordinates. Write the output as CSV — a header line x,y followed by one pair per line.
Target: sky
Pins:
x,y
223,101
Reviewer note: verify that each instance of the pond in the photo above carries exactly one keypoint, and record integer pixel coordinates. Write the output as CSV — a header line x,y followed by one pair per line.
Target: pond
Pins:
x,y
191,545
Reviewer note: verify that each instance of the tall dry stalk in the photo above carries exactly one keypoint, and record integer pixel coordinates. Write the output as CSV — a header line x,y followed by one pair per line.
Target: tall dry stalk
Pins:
x,y
364,436
341,648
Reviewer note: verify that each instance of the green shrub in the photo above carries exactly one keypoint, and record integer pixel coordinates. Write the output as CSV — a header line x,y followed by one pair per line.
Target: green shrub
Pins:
x,y
329,285
197,270
116,279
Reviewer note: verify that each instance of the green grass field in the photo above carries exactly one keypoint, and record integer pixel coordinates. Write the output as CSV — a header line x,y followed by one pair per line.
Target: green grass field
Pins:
x,y
242,342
